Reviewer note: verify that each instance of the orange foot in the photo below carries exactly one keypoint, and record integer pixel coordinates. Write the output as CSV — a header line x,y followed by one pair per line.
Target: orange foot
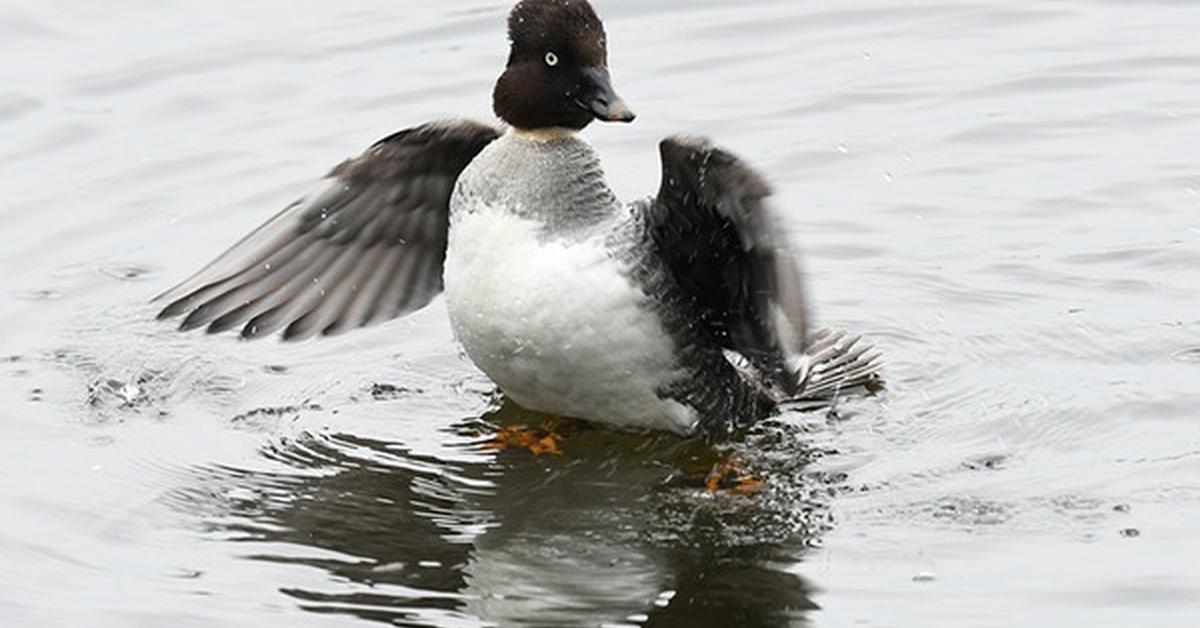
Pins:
x,y
730,475
538,440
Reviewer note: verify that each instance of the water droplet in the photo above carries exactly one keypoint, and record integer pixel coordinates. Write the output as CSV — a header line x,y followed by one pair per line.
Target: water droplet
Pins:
x,y
867,55
887,176
129,392
843,149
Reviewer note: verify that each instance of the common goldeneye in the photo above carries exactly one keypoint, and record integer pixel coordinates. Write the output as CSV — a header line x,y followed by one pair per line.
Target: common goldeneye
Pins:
x,y
683,312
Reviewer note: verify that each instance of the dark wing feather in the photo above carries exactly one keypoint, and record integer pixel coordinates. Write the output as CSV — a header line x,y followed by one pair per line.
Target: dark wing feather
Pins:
x,y
366,248
727,253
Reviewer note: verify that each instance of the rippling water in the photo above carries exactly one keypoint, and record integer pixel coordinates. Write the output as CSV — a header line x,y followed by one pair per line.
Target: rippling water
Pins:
x,y
1006,196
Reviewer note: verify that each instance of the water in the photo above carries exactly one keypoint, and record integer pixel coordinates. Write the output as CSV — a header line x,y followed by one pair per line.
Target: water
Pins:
x,y
1005,196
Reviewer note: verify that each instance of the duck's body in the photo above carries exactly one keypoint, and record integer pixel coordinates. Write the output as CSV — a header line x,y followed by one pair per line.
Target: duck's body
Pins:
x,y
557,292
680,312
539,289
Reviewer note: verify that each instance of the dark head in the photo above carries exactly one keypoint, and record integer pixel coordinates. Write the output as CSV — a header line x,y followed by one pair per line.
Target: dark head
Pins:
x,y
557,74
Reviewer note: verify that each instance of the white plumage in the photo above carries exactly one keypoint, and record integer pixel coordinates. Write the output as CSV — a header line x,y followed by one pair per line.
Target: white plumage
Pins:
x,y
556,323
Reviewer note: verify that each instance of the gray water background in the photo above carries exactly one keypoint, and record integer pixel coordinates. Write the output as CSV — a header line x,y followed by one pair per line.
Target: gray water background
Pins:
x,y
1004,195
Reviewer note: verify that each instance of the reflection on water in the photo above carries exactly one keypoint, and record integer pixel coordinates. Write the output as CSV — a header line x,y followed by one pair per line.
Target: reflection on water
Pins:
x,y
617,526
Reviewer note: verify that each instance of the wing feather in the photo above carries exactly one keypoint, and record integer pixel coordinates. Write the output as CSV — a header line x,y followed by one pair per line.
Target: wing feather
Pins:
x,y
366,247
725,249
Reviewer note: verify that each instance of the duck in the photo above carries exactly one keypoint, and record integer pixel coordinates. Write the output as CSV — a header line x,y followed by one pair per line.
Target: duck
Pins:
x,y
682,312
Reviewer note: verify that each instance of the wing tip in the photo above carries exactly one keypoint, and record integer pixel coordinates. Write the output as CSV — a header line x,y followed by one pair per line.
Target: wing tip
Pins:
x,y
693,157
258,327
177,302
171,310
198,318
298,330
679,146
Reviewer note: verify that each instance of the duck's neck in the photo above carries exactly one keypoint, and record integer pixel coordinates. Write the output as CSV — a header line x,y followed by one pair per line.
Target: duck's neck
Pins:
x,y
549,134
555,179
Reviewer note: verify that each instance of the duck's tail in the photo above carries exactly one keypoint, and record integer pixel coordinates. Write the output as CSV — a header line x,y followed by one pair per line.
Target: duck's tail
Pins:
x,y
839,362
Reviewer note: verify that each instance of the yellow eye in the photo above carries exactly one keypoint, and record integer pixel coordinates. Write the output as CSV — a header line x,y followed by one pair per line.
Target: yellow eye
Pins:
x,y
551,59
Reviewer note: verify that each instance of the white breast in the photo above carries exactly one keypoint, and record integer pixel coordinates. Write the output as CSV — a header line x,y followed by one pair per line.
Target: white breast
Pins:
x,y
556,324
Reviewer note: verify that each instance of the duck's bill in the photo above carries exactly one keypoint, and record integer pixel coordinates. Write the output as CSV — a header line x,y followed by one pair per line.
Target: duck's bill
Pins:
x,y
599,97
615,111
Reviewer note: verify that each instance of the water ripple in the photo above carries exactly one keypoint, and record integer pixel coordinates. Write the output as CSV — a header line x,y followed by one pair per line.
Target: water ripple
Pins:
x,y
1003,196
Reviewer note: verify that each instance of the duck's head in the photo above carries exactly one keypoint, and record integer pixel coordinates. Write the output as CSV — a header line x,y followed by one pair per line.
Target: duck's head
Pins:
x,y
557,74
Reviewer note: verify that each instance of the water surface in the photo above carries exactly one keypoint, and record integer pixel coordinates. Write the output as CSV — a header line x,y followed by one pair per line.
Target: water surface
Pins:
x,y
1006,197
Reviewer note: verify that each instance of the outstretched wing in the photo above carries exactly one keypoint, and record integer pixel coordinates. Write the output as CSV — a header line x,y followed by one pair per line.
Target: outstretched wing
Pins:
x,y
367,248
727,253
